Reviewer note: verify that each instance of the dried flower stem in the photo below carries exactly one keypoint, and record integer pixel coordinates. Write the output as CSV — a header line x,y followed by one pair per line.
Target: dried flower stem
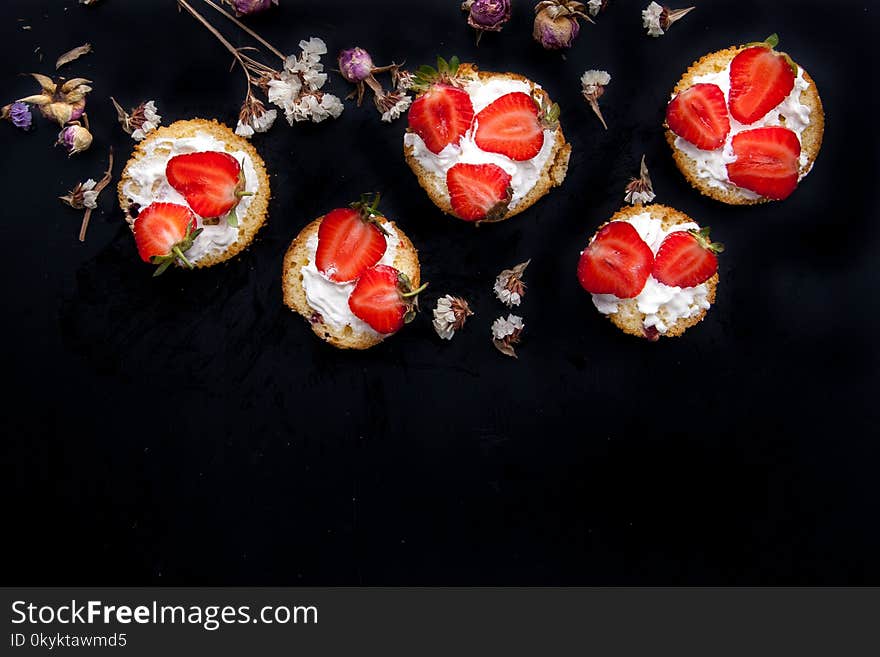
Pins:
x,y
108,176
244,27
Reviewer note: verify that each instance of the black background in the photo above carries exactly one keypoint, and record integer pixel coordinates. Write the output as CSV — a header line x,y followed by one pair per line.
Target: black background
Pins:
x,y
190,429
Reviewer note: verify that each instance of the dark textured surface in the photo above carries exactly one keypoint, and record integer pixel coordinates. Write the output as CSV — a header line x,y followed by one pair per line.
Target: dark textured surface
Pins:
x,y
191,430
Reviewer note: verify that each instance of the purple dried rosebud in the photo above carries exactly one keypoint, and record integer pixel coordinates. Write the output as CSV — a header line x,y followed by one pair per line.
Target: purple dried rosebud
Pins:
x,y
355,64
75,138
556,23
487,15
244,7
19,114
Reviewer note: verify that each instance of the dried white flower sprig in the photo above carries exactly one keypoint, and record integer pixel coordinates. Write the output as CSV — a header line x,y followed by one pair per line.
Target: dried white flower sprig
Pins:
x,y
85,196
141,121
658,18
509,286
593,85
356,66
295,88
595,6
506,333
450,315
640,190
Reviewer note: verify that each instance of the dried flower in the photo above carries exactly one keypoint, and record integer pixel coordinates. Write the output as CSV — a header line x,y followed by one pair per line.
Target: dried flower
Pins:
x,y
62,104
486,15
657,18
142,120
85,196
593,85
295,88
640,190
595,6
509,287
19,114
82,196
244,7
450,315
506,333
356,66
254,117
75,139
556,23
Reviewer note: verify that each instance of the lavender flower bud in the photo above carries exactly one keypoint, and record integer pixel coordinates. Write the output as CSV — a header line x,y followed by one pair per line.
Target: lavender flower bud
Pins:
x,y
487,15
243,7
19,114
75,139
355,64
555,33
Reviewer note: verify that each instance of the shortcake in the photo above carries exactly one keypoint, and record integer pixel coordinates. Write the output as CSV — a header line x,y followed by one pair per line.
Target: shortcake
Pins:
x,y
194,193
484,146
651,270
745,124
354,275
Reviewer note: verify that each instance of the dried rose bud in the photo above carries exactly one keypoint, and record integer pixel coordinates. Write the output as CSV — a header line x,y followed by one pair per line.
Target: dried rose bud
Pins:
x,y
63,103
486,15
556,23
593,85
244,7
450,314
19,114
506,333
355,64
640,190
75,138
509,286
657,18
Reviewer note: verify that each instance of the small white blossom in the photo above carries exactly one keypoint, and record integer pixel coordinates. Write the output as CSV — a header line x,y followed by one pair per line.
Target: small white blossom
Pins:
x,y
450,315
594,7
244,130
151,121
640,190
90,196
396,110
314,46
651,19
502,328
509,287
593,78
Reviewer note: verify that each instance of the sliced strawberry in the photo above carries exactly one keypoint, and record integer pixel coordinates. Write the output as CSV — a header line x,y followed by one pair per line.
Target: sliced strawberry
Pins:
x,y
699,115
211,182
478,192
617,261
511,126
767,162
686,258
383,297
441,116
163,232
349,242
760,79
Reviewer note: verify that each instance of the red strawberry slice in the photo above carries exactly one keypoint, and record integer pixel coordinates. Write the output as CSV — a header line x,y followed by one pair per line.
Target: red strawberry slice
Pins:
x,y
348,243
767,162
163,232
511,126
617,261
760,79
211,182
478,191
383,297
699,115
686,258
441,116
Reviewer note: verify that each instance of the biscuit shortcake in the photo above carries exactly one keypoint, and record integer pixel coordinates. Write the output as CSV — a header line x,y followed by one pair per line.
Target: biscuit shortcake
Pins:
x,y
745,124
354,275
484,146
651,270
194,193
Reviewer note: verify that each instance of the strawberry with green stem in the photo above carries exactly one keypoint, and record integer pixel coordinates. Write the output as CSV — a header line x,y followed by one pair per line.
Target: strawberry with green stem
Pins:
x,y
385,299
443,112
212,182
351,240
163,233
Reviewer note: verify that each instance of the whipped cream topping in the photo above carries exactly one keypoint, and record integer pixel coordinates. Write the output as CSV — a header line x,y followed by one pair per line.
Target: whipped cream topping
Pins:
x,y
330,298
791,113
147,184
523,175
663,305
